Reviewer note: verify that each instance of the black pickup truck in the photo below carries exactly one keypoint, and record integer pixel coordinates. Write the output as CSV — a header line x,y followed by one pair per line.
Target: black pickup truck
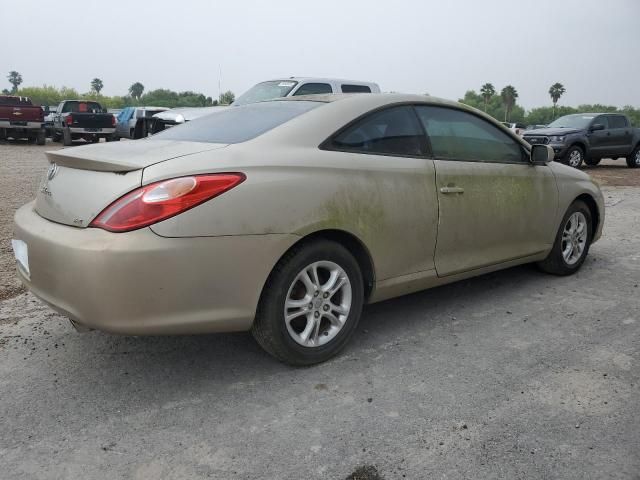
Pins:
x,y
590,137
75,119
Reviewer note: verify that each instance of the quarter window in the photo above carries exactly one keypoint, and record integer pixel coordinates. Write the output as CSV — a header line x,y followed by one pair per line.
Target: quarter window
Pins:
x,y
393,131
458,135
313,89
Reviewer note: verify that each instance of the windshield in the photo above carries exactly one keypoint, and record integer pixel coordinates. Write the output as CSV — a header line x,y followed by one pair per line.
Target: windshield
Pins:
x,y
572,121
236,125
266,91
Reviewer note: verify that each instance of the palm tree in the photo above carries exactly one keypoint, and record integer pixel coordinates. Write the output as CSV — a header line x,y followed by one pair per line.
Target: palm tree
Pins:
x,y
15,79
556,90
509,95
96,85
136,90
487,91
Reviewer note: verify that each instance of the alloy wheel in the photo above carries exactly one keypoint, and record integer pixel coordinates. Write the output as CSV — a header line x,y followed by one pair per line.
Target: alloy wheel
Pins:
x,y
317,304
574,238
575,158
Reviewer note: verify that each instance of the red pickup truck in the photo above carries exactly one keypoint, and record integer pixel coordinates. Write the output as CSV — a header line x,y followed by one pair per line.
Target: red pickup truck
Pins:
x,y
19,118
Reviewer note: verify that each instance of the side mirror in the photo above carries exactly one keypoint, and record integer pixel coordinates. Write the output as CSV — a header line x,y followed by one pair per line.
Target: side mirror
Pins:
x,y
596,126
541,154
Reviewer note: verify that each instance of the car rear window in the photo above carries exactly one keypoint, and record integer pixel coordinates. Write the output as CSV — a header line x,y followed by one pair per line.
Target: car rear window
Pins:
x,y
238,124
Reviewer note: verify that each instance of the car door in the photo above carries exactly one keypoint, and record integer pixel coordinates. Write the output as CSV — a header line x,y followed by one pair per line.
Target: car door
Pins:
x,y
600,140
621,136
494,206
391,189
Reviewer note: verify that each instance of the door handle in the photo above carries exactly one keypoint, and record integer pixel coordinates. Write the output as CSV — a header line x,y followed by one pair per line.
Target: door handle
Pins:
x,y
451,190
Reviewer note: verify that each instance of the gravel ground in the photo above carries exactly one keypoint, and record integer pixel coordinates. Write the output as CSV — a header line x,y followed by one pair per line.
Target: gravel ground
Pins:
x,y
511,375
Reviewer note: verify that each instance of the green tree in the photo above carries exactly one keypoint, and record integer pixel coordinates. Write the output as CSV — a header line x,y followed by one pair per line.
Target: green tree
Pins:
x,y
509,95
556,91
96,85
136,90
15,79
226,98
487,91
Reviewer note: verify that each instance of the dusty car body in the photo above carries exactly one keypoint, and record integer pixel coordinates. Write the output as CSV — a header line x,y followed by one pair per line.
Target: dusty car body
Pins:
x,y
368,191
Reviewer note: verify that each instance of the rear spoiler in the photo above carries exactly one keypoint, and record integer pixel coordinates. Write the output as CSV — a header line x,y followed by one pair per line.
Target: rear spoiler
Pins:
x,y
65,158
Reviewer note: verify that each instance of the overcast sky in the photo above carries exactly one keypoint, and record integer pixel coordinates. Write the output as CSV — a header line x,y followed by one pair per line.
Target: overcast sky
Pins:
x,y
442,47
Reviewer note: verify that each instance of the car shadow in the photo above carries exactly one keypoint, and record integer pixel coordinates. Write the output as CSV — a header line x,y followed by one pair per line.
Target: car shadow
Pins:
x,y
170,363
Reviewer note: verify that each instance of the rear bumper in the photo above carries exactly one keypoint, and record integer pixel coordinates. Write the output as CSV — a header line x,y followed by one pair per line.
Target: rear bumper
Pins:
x,y
140,283
17,126
98,131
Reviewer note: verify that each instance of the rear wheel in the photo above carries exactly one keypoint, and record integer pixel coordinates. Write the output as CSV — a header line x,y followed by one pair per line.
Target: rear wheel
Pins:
x,y
572,241
574,157
633,161
67,140
311,304
592,161
55,137
41,138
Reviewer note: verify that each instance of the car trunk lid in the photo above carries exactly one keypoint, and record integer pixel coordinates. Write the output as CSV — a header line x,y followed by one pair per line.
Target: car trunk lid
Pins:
x,y
83,181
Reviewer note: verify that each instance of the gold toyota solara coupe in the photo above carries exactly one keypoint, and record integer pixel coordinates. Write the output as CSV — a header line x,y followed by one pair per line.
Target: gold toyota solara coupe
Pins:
x,y
285,217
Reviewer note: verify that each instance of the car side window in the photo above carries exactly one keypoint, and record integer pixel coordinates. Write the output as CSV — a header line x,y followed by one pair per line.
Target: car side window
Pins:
x,y
355,89
313,89
617,121
602,120
458,135
392,131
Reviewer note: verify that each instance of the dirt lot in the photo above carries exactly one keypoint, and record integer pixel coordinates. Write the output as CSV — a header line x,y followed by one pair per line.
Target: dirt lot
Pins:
x,y
22,167
512,375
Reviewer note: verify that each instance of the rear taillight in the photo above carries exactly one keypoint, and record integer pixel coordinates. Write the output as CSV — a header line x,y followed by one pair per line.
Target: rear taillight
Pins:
x,y
161,200
69,119
113,120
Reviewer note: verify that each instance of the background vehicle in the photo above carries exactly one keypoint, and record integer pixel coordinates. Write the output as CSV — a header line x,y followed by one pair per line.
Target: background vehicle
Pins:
x,y
517,128
297,86
135,122
284,217
177,116
19,118
75,119
49,114
590,137
535,127
269,90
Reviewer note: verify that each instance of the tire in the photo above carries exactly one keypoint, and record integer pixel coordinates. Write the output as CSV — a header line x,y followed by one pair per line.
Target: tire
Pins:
x,y
592,161
41,139
558,263
633,160
55,137
574,157
325,338
31,140
67,140
95,139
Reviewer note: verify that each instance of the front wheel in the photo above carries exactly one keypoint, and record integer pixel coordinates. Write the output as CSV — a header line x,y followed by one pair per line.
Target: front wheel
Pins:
x,y
41,138
572,241
574,157
633,161
311,304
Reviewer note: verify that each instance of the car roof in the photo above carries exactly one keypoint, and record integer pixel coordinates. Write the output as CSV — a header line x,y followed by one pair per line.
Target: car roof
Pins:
x,y
320,80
